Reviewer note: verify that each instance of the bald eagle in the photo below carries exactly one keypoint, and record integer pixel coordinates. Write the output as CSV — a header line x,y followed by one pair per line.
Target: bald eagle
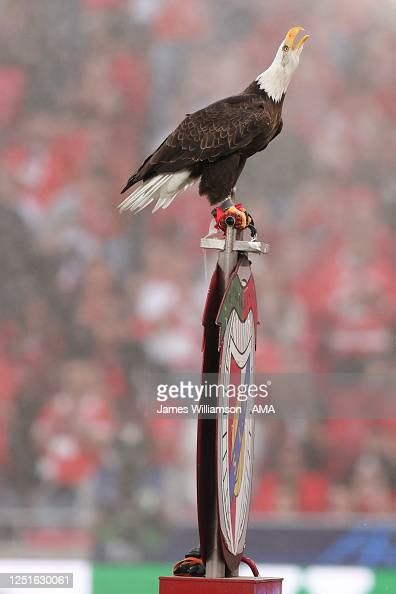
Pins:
x,y
210,147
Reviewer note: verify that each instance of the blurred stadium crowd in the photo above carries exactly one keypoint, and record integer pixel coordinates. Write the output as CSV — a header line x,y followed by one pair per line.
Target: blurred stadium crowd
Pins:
x,y
92,302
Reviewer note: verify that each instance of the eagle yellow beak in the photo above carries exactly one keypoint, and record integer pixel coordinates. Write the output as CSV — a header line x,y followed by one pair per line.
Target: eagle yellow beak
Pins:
x,y
291,38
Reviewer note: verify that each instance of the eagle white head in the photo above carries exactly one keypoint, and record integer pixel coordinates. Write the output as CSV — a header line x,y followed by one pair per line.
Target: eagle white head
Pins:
x,y
275,80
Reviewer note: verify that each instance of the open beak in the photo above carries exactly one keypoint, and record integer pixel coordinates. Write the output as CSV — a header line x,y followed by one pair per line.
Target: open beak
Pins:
x,y
291,38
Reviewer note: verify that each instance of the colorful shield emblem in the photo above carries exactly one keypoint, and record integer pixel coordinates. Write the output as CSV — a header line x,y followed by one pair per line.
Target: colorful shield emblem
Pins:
x,y
237,319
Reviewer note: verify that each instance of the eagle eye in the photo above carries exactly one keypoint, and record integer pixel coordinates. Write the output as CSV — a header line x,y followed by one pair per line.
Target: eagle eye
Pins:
x,y
285,48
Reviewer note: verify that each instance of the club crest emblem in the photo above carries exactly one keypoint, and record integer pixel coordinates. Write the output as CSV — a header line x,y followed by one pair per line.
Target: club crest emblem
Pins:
x,y
237,321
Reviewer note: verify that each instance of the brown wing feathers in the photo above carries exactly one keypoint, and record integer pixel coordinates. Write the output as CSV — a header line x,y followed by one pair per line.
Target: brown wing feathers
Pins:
x,y
211,133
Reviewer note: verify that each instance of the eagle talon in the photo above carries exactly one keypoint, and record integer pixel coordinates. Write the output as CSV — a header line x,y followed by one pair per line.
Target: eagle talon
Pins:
x,y
235,215
253,231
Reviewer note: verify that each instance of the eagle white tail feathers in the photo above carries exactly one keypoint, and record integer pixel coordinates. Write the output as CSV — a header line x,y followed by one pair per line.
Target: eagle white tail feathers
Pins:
x,y
162,188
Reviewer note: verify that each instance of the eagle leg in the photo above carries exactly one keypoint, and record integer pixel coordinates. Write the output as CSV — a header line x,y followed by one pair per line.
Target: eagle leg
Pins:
x,y
243,220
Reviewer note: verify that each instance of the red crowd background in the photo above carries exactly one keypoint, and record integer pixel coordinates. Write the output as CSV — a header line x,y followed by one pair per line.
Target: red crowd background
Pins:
x,y
92,302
